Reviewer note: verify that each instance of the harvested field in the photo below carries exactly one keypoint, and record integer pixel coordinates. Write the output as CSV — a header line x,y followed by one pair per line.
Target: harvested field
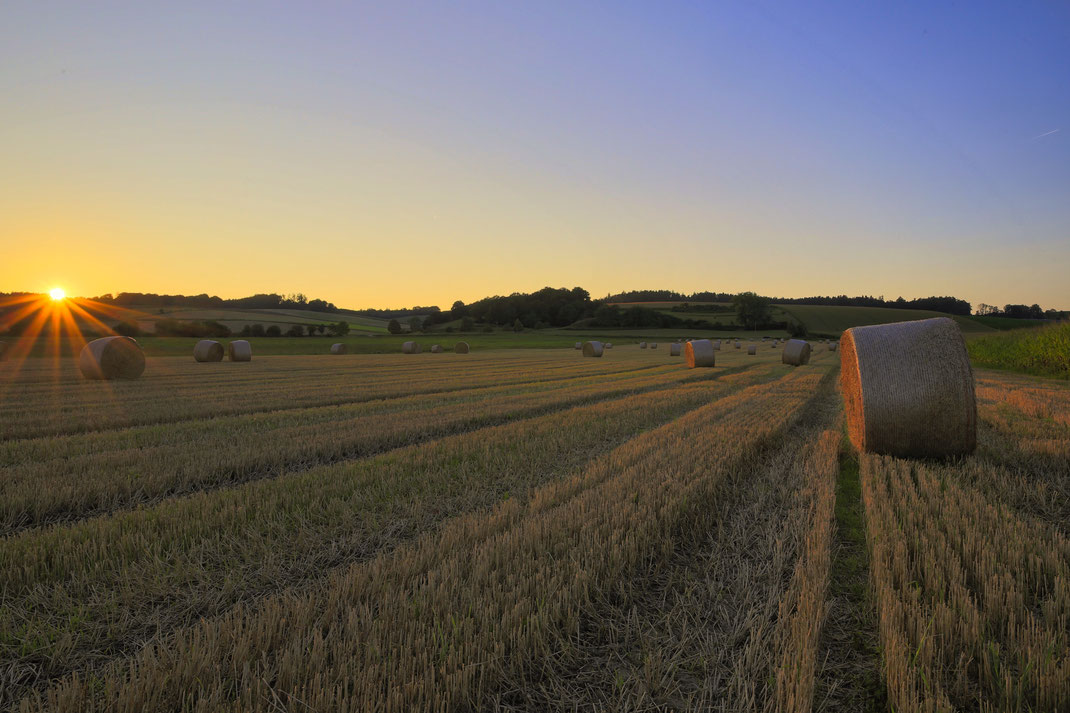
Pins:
x,y
518,530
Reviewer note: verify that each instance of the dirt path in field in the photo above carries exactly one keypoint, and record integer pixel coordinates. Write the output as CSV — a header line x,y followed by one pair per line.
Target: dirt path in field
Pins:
x,y
848,675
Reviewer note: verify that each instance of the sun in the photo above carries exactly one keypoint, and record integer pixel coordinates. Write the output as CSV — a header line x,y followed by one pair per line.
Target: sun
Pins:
x,y
57,293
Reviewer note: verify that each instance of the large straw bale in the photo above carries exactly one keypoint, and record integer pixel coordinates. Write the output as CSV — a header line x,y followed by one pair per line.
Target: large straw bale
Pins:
x,y
592,349
208,350
111,358
240,350
461,348
796,352
700,352
436,349
411,348
674,350
752,349
908,389
339,348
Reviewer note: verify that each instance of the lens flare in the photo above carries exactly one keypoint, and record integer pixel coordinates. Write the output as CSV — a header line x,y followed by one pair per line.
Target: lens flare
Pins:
x,y
57,293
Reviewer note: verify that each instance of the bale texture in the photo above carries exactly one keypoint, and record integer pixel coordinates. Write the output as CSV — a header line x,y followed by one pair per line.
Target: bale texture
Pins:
x,y
461,348
208,350
699,353
674,350
111,358
436,349
908,389
240,350
796,352
339,349
411,348
642,345
592,349
752,349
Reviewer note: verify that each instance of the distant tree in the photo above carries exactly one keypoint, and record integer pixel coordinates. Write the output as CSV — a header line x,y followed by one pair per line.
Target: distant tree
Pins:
x,y
273,331
467,324
393,326
128,329
295,331
518,326
752,310
415,324
246,331
257,331
340,328
458,310
488,328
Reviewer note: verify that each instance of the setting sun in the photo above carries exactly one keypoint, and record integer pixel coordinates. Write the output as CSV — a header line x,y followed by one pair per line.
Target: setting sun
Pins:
x,y
57,293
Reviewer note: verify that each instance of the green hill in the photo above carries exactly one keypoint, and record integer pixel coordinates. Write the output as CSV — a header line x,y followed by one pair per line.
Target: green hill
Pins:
x,y
832,320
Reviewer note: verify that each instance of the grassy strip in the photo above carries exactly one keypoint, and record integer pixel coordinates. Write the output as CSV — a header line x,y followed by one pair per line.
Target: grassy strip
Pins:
x,y
1044,351
849,677
92,406
441,623
101,587
144,466
973,601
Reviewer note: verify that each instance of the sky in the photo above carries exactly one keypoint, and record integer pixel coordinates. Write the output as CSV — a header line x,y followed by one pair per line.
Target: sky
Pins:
x,y
401,153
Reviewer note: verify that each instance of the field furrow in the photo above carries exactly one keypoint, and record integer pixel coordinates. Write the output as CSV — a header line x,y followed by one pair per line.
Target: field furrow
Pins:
x,y
64,478
446,621
100,587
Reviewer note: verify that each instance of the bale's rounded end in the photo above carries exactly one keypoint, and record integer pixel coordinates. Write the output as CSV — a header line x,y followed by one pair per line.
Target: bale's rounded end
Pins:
x,y
339,349
796,352
592,349
908,389
436,349
461,348
240,350
111,358
411,348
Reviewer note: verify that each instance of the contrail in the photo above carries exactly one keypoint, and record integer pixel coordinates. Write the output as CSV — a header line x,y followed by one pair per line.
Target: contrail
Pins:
x,y
1046,133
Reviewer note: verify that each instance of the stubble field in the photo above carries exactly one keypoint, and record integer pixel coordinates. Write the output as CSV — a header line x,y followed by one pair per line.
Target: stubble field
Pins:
x,y
520,530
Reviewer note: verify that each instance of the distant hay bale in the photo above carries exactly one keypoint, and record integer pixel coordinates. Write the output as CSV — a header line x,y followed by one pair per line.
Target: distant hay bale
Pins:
x,y
592,349
674,350
832,346
717,345
112,358
738,345
653,345
207,350
240,350
461,348
410,348
796,352
579,345
908,389
436,349
339,348
642,345
752,349
699,353
608,345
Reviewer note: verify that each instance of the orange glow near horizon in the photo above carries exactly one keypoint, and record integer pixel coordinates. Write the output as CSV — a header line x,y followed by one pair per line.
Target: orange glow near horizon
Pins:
x,y
57,294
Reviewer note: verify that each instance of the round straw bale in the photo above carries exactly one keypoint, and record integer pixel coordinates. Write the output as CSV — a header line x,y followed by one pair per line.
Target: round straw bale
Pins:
x,y
592,349
752,349
411,348
832,347
908,389
642,345
607,345
717,345
796,352
240,350
699,353
737,345
207,350
461,348
579,345
674,350
653,345
339,348
111,358
436,349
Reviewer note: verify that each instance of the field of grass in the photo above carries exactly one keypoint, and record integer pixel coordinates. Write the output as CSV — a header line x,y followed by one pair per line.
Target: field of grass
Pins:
x,y
1044,351
1005,323
830,321
238,318
522,530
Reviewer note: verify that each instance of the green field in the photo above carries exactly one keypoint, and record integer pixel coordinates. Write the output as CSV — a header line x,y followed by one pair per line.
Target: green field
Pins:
x,y
830,321
1044,351
235,319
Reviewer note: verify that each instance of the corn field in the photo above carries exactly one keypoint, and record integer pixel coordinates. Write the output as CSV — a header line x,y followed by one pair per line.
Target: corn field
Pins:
x,y
519,531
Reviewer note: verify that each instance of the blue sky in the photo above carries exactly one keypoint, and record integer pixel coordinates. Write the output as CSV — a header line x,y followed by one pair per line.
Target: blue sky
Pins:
x,y
425,152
